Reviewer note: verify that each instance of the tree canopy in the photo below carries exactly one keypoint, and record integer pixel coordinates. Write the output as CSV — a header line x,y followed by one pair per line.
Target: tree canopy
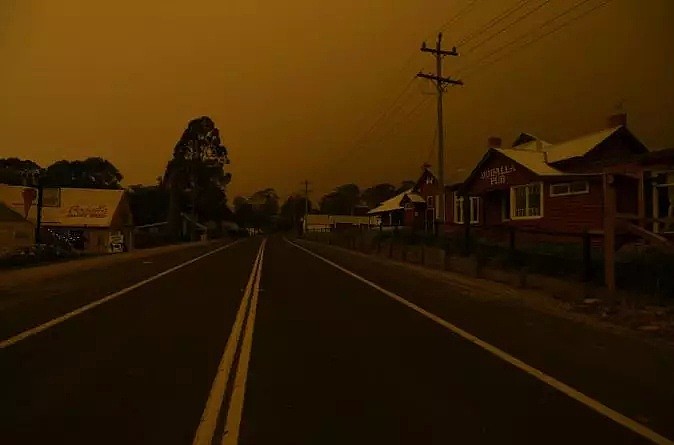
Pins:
x,y
94,172
195,175
15,171
341,201
405,185
377,194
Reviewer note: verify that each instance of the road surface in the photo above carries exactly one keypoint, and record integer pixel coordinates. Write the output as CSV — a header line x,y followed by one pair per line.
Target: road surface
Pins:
x,y
263,342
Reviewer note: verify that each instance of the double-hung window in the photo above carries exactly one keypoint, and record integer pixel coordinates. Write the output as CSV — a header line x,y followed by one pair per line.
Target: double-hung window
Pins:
x,y
526,201
474,209
458,208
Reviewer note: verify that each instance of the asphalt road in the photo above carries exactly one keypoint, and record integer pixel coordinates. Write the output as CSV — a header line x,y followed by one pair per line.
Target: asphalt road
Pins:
x,y
263,343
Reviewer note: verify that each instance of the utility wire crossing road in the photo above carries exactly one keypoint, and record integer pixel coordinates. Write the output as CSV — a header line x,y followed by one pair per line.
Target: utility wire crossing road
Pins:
x,y
267,341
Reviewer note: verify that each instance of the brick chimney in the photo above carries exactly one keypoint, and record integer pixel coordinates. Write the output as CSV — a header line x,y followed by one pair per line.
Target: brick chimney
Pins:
x,y
617,120
494,142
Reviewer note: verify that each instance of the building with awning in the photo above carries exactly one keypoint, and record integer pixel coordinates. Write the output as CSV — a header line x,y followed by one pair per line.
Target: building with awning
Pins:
x,y
90,220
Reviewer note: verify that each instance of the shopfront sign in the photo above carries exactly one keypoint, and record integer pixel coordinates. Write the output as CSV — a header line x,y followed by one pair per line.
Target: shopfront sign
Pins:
x,y
77,211
497,175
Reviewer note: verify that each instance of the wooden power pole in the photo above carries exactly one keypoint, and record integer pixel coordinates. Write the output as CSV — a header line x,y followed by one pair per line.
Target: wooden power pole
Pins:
x,y
306,204
441,85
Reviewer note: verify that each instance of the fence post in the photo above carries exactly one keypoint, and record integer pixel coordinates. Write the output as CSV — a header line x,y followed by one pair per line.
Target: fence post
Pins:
x,y
587,256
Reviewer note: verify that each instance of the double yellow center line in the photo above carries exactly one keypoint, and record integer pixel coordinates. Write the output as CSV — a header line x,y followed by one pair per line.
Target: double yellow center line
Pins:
x,y
244,322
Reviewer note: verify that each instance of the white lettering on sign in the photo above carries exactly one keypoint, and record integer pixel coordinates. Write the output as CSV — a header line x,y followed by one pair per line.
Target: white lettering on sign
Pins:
x,y
497,175
87,212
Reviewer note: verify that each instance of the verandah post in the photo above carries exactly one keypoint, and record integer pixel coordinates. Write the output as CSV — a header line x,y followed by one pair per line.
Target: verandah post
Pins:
x,y
587,256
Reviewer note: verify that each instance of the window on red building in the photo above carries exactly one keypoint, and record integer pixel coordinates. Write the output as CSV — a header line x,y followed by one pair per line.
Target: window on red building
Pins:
x,y
474,209
527,201
569,188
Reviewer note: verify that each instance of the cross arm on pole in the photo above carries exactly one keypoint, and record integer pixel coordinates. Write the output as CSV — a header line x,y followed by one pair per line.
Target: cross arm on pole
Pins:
x,y
443,80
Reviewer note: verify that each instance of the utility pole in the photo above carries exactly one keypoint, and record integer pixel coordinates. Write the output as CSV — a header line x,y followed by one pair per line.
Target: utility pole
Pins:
x,y
440,84
306,204
34,179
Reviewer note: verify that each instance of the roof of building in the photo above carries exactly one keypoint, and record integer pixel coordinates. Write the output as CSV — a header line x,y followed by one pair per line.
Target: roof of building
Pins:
x,y
394,203
531,159
73,207
525,138
9,215
415,198
578,147
537,155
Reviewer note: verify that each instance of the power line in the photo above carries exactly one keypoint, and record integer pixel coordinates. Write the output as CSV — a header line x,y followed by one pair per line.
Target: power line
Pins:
x,y
386,130
517,20
504,15
465,10
384,113
411,114
476,65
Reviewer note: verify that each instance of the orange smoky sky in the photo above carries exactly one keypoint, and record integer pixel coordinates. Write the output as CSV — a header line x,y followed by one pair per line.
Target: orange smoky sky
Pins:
x,y
295,85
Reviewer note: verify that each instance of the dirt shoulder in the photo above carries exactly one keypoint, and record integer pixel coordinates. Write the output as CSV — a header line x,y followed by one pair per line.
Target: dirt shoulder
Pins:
x,y
17,277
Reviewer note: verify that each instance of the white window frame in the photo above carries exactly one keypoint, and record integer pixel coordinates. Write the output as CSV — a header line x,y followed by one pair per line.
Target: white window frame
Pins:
x,y
457,201
568,186
475,207
513,207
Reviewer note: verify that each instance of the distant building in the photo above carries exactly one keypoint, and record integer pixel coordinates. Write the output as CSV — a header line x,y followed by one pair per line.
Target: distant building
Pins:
x,y
90,220
327,223
393,212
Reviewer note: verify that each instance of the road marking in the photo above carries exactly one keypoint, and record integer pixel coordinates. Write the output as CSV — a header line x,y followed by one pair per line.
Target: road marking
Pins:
x,y
58,320
233,422
591,403
209,418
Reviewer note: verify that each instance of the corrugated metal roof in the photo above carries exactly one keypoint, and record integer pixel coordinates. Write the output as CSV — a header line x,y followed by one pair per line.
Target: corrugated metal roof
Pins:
x,y
78,207
415,198
578,147
394,203
530,159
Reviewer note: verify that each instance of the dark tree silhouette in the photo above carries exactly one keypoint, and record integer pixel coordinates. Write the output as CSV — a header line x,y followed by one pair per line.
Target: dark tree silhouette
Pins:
x,y
195,175
15,171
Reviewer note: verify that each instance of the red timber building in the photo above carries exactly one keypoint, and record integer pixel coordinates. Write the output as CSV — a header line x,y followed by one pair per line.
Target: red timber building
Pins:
x,y
548,187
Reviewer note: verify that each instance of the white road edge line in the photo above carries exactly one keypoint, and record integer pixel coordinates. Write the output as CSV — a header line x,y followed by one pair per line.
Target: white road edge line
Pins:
x,y
230,434
58,320
595,405
209,418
